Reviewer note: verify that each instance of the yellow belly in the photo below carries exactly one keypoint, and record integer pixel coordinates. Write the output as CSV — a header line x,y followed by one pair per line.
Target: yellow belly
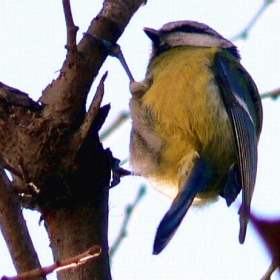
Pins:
x,y
187,115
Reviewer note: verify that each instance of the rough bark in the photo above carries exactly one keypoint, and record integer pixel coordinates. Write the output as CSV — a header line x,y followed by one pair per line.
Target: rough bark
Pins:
x,y
53,150
13,227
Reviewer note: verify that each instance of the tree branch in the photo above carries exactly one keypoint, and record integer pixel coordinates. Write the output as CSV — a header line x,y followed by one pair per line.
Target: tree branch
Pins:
x,y
121,118
128,213
14,229
94,107
272,268
245,32
16,97
70,183
80,69
72,29
274,94
74,262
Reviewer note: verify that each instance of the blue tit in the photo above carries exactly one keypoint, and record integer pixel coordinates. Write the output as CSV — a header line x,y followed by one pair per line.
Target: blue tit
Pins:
x,y
196,122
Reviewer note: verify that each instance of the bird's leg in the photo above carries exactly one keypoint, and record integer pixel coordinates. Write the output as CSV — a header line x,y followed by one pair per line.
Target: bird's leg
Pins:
x,y
115,51
137,89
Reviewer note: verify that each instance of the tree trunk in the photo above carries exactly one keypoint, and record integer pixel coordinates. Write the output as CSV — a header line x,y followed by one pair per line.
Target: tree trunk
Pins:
x,y
52,147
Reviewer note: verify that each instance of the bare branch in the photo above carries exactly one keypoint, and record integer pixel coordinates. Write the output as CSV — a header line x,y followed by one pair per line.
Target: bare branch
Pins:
x,y
79,138
14,230
129,210
80,69
120,120
72,29
274,94
269,230
16,97
245,32
270,271
76,261
35,145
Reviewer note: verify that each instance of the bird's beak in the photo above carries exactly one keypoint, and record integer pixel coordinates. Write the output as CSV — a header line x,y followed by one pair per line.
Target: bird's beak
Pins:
x,y
153,34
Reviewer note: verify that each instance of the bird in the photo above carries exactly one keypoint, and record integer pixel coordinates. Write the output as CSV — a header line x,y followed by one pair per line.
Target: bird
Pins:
x,y
196,122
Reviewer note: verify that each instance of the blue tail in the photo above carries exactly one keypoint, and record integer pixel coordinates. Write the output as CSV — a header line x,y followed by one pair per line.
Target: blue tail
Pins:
x,y
200,177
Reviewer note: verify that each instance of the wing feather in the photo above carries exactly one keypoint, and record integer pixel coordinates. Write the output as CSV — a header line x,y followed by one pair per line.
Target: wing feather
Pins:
x,y
242,102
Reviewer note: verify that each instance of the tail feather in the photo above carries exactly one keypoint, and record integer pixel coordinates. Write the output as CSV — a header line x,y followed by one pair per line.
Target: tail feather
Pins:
x,y
198,180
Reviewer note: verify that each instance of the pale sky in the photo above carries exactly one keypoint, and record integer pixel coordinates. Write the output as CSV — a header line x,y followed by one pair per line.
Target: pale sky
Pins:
x,y
206,245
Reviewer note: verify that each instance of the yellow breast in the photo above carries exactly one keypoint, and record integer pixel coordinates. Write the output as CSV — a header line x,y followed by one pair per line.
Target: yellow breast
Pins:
x,y
188,114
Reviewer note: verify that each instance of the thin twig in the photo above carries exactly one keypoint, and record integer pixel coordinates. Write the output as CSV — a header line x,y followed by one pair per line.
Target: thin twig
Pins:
x,y
270,271
129,210
120,120
274,94
124,161
14,229
245,32
74,262
72,29
91,114
96,102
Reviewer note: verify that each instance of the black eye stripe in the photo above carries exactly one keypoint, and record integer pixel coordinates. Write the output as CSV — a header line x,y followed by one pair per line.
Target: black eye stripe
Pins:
x,y
165,41
191,29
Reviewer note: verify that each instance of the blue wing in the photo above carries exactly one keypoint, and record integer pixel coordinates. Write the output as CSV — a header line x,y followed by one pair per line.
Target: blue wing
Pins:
x,y
242,102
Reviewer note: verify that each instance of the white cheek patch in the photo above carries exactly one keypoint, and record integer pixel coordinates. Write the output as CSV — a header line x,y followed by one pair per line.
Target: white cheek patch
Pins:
x,y
194,39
